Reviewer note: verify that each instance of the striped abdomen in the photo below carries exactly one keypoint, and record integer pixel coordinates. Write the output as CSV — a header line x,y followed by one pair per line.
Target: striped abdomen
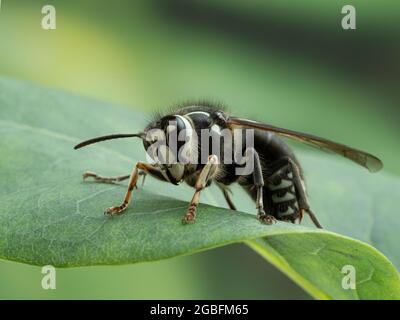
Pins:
x,y
280,196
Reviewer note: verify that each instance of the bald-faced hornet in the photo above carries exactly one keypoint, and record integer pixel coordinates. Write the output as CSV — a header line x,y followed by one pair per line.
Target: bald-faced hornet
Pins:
x,y
275,181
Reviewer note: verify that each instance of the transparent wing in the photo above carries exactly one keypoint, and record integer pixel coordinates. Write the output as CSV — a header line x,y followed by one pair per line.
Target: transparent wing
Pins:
x,y
372,163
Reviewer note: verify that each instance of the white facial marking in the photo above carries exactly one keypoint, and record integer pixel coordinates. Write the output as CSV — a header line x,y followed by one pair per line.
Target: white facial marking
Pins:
x,y
155,134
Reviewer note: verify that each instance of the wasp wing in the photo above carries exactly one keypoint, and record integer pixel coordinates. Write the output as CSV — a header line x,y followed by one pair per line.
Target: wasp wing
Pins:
x,y
372,163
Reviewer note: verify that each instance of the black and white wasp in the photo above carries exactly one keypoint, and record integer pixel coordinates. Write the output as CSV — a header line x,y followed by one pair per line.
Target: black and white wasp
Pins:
x,y
276,181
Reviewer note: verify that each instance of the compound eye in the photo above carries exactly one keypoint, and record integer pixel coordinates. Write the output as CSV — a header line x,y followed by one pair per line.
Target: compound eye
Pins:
x,y
173,123
179,135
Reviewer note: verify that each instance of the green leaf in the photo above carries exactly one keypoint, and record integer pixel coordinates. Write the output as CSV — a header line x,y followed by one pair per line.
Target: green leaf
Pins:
x,y
301,255
48,215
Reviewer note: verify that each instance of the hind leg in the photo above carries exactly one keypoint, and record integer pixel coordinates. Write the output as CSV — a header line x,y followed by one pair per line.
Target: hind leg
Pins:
x,y
258,181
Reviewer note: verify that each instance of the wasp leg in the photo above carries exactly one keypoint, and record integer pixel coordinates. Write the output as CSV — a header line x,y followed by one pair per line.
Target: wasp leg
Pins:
x,y
300,190
258,180
101,179
113,180
205,175
303,202
144,174
140,166
226,191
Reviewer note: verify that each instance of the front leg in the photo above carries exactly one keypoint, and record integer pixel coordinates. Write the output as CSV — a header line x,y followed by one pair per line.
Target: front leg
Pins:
x,y
154,172
139,167
102,179
206,174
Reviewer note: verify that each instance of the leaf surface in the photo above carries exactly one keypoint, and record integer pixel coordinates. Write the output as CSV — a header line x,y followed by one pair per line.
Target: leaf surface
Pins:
x,y
48,215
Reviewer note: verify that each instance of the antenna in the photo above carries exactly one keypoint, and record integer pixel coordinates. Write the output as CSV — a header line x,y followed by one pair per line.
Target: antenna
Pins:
x,y
108,137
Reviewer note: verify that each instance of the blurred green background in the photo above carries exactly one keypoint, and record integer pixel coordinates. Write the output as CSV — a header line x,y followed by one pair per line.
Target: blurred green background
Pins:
x,y
285,62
